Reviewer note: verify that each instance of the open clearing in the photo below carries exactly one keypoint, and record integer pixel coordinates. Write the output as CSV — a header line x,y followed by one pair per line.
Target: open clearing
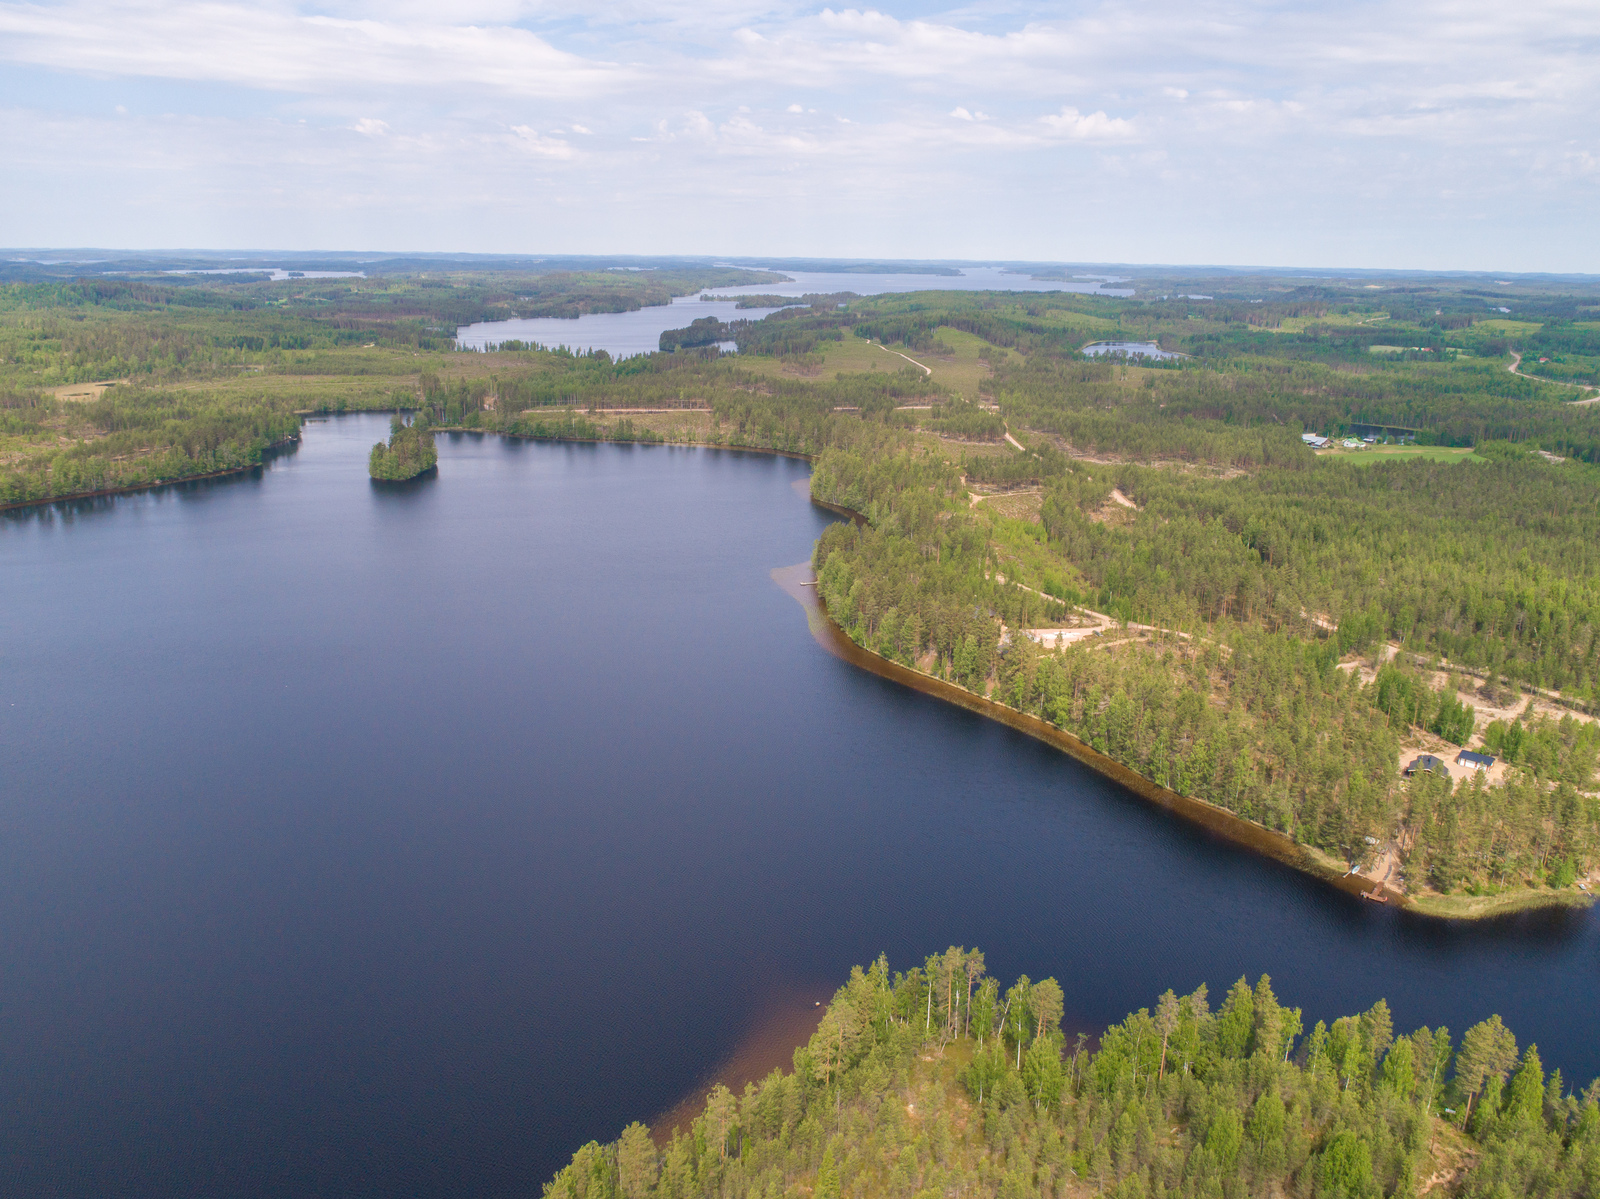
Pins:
x,y
960,370
851,356
1368,455
81,392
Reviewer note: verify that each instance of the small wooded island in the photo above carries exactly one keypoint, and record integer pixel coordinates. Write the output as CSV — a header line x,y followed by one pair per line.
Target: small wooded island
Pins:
x,y
409,453
934,1082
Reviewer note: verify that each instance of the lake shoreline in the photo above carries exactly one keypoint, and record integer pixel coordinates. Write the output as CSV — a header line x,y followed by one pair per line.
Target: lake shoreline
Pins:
x,y
134,488
1231,826
1236,829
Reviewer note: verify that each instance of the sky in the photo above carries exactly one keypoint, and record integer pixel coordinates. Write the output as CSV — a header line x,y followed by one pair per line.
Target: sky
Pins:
x,y
1419,134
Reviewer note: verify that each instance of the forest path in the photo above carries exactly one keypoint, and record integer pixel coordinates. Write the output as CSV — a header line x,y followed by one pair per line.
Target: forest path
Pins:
x,y
1059,637
1385,868
927,370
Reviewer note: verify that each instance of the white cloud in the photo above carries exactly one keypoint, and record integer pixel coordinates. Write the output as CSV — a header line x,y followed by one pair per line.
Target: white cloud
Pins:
x,y
371,127
960,113
1092,126
540,145
275,48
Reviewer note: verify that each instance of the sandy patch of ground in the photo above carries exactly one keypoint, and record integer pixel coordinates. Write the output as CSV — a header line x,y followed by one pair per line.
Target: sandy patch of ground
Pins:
x,y
1450,1156
79,393
1321,620
1365,666
1018,505
1467,684
1057,638
1384,867
1102,459
1118,509
1509,710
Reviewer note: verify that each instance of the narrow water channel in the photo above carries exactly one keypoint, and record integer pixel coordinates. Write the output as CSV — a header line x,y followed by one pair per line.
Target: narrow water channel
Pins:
x,y
375,841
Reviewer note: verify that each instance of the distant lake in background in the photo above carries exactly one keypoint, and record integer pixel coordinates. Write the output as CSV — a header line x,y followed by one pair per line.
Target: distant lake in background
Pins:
x,y
372,841
620,334
1128,349
972,278
624,334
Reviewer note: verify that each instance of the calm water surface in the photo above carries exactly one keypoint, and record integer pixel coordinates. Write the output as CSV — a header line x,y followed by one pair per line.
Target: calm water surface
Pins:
x,y
972,278
623,334
376,842
620,334
1127,349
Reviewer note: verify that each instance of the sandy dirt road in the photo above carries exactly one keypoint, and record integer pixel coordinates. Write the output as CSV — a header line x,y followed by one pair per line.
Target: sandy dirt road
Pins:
x,y
1516,362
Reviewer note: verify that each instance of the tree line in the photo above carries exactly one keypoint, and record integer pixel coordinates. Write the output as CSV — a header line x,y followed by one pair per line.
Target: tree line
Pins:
x,y
408,453
934,1081
1252,701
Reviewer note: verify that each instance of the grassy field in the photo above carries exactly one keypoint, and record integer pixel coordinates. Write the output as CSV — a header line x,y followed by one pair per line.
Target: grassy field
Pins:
x,y
678,427
854,355
962,370
851,356
1454,352
1509,328
1096,326
1479,907
1369,455
1348,320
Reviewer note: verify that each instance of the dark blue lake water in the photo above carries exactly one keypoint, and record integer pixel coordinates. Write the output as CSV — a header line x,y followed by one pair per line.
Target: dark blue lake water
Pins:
x,y
377,842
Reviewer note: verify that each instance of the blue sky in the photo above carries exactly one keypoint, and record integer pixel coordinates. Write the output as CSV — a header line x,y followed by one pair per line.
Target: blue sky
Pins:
x,y
1459,135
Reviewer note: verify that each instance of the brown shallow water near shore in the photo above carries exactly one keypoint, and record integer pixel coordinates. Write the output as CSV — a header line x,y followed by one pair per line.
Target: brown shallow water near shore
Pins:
x,y
798,581
784,1022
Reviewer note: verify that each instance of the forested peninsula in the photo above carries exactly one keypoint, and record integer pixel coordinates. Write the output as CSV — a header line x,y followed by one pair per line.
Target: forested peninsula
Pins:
x,y
1148,555
935,1082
